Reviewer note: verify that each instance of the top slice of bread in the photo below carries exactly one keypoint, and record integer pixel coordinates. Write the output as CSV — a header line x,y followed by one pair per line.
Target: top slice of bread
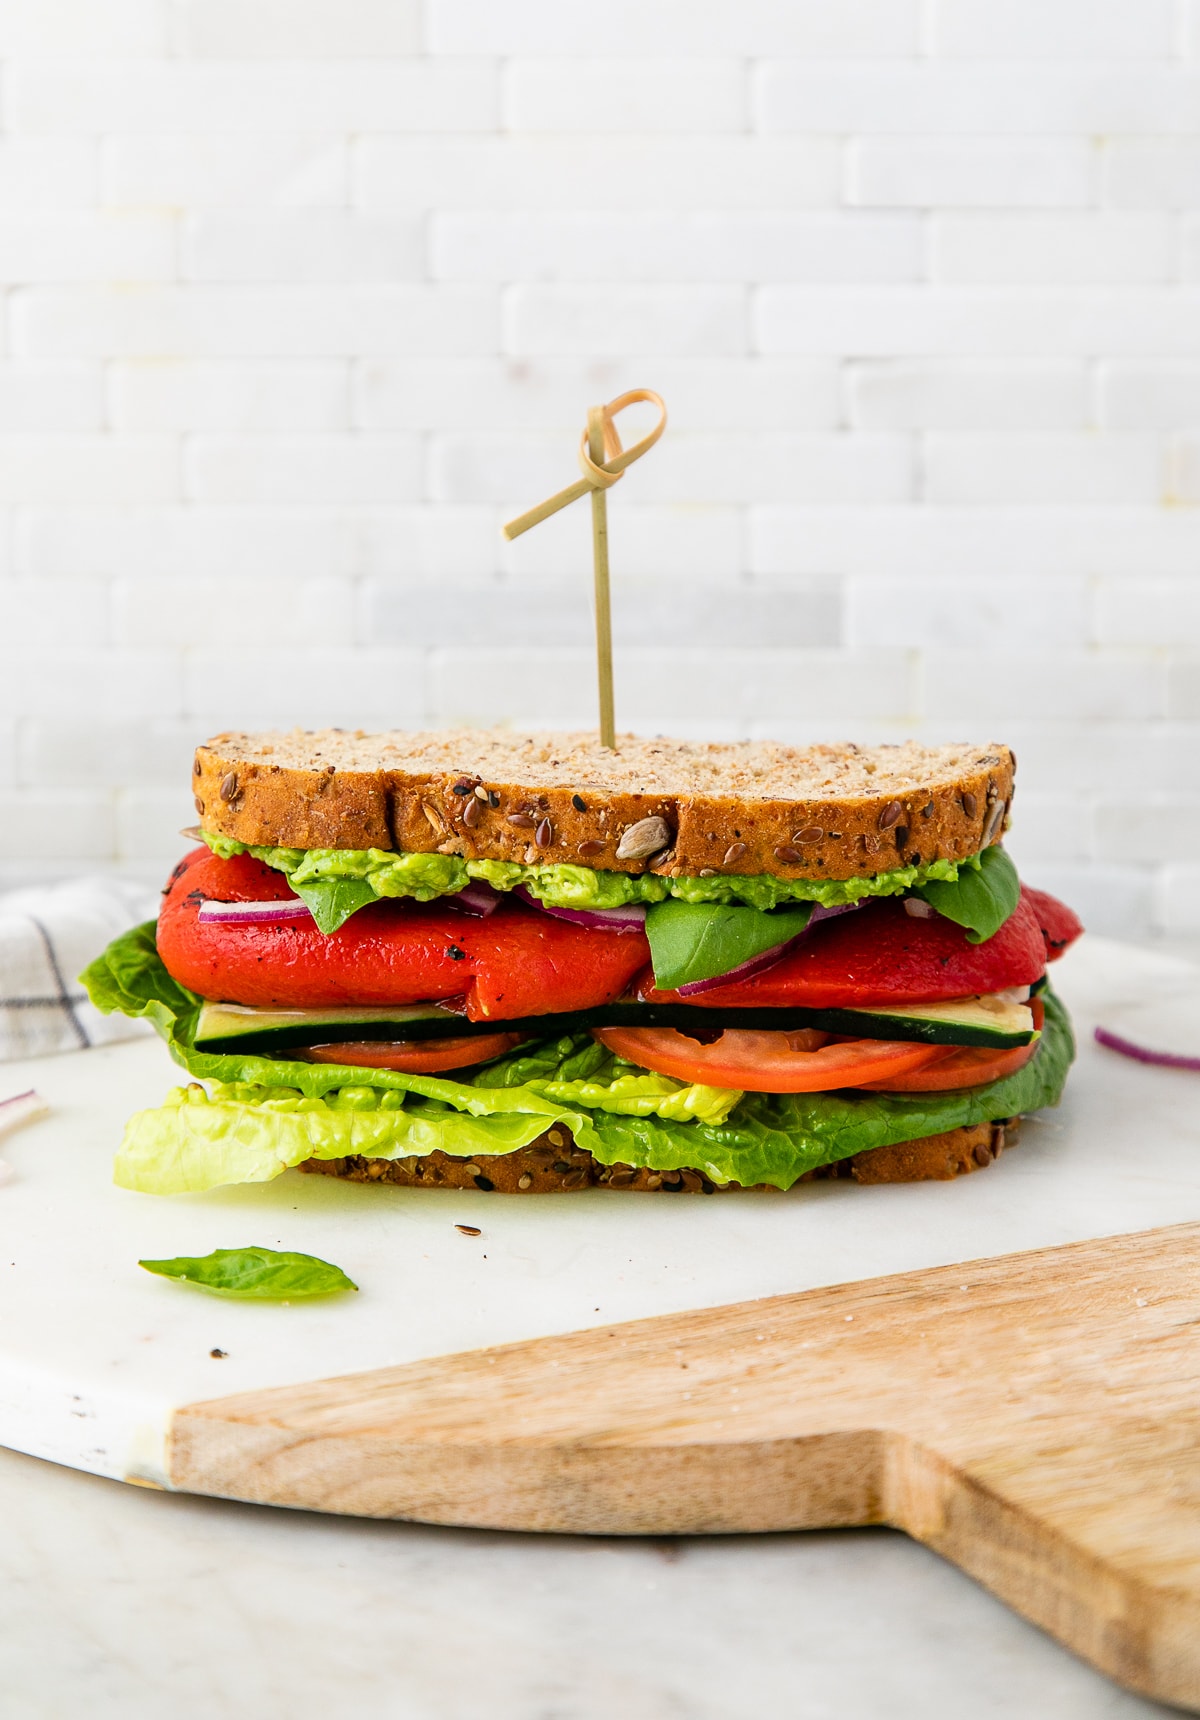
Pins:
x,y
756,807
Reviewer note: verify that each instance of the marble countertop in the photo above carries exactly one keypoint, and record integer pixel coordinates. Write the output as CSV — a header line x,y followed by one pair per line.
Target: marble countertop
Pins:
x,y
119,1601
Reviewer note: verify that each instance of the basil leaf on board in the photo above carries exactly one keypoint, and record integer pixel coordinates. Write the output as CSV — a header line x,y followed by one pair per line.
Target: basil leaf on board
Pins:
x,y
331,901
258,1274
979,899
701,940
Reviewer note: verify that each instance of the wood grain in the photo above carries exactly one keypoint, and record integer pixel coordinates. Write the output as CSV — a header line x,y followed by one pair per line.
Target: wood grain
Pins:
x,y
1034,1418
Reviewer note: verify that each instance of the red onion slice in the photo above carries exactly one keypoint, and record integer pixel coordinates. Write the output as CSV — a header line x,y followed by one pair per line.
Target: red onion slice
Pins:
x,y
768,958
252,913
21,1108
629,917
1141,1053
477,897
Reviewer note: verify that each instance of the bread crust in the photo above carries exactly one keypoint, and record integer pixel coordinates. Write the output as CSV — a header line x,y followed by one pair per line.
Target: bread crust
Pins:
x,y
735,810
553,1164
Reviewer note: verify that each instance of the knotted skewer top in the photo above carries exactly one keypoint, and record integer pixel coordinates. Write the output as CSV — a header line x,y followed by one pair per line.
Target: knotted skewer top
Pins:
x,y
598,475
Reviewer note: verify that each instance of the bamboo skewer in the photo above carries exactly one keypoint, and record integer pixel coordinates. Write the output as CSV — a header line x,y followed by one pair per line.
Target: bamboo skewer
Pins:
x,y
603,463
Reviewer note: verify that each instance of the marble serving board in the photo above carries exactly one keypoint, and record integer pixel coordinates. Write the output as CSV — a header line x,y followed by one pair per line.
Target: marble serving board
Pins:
x,y
96,1356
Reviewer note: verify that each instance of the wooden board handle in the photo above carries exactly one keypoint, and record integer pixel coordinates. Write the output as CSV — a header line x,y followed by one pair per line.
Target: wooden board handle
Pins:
x,y
1034,1418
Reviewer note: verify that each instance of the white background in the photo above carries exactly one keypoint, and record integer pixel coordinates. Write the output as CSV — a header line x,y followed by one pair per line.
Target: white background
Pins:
x,y
301,296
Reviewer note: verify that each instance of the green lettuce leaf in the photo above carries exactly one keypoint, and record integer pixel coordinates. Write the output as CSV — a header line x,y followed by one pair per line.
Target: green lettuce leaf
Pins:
x,y
259,1274
696,940
981,898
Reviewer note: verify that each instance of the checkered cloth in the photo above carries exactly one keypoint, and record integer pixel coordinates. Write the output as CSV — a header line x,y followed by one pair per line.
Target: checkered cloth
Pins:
x,y
47,936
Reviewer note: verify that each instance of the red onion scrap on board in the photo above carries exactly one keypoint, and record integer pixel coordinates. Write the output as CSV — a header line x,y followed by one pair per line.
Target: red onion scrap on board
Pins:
x,y
1142,1053
21,1108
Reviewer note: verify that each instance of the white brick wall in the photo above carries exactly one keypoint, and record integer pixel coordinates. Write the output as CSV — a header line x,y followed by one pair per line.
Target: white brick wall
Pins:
x,y
300,297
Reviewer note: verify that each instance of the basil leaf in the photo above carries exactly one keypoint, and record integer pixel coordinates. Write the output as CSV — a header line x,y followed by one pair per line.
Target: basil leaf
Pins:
x,y
255,1273
979,899
701,940
331,901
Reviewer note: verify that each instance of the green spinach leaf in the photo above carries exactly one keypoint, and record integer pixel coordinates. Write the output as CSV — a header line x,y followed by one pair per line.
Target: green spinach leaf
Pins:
x,y
331,901
979,899
258,1274
700,940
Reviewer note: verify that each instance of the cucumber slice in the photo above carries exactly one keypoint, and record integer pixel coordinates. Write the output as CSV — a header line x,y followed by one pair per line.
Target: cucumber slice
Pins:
x,y
964,1021
987,1020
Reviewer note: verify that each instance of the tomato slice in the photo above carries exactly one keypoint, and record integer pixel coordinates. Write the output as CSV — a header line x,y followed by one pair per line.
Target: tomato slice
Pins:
x,y
765,1062
418,1056
968,1066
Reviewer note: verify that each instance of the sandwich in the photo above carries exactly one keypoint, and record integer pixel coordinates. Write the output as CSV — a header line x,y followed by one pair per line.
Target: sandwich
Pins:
x,y
528,963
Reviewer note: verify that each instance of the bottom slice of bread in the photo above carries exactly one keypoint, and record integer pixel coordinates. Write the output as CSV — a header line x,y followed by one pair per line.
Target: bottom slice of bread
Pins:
x,y
553,1164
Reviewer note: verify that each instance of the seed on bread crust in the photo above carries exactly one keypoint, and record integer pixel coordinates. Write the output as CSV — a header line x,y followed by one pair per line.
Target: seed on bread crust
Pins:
x,y
644,838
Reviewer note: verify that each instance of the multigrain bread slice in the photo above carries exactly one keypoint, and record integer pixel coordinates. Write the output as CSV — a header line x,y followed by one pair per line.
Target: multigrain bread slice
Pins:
x,y
678,808
553,1164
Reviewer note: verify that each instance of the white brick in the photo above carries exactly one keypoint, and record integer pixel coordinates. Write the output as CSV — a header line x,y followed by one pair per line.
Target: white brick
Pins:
x,y
1043,469
966,173
1166,828
685,543
644,96
48,173
295,29
108,542
67,611
247,99
307,245
549,394
509,616
304,469
219,171
1112,901
858,29
1054,29
427,542
66,682
1152,173
990,542
1097,757
1183,691
1052,827
1184,470
51,397
701,468
958,395
1095,99
1180,911
1037,247
44,825
254,322
8,754
160,395
1149,396
83,247
707,320
288,612
965,610
148,822
102,754
57,29
979,688
1162,612
73,468
890,321
669,691
768,246
252,686
627,174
